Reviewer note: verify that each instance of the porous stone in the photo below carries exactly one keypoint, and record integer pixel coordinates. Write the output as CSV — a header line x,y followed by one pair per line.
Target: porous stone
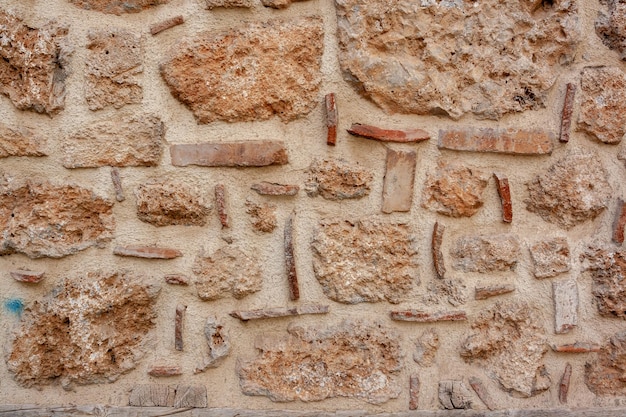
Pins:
x,y
20,141
603,103
166,24
573,190
210,4
336,179
278,4
218,344
454,395
445,290
227,272
353,359
253,72
486,253
453,57
120,142
117,6
426,347
366,260
604,376
42,219
611,26
509,340
89,330
169,202
454,190
550,257
607,267
113,61
263,216
34,64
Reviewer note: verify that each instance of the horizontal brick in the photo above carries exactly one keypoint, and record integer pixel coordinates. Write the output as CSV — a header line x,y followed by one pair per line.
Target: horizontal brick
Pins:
x,y
424,317
271,188
177,279
521,142
578,347
165,370
30,277
166,24
388,135
149,252
230,154
267,313
482,293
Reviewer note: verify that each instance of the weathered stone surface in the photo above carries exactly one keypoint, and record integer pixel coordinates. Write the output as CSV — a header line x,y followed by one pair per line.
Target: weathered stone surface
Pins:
x,y
605,375
611,26
607,268
152,395
355,360
504,191
30,277
366,260
117,6
166,24
254,72
168,202
179,326
565,296
187,396
388,135
277,312
509,141
160,371
218,344
120,142
484,292
454,395
263,216
573,190
147,252
603,103
509,340
111,67
332,119
480,390
454,190
271,188
424,317
336,179
398,181
210,4
550,257
445,290
20,141
49,220
426,347
278,4
227,272
567,112
233,154
453,57
485,253
87,331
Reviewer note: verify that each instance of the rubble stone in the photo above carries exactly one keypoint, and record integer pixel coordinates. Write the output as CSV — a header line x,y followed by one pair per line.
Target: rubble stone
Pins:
x,y
611,26
442,290
20,142
607,268
605,375
117,6
485,253
426,347
218,342
551,257
263,216
336,179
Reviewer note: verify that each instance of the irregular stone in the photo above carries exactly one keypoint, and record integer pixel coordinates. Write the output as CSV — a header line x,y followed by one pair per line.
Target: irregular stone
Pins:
x,y
504,191
120,142
398,181
450,290
176,279
454,395
414,392
611,26
453,57
509,340
565,296
603,103
353,359
41,219
568,111
117,184
233,154
564,385
480,390
167,203
578,347
152,395
87,331
34,64
508,141
270,313
227,272
550,257
336,179
424,317
388,135
254,72
366,260
454,190
607,268
114,59
117,6
332,119
482,293
210,4
485,253
166,24
426,347
147,252
179,326
165,370
218,343
270,188
30,277
20,141
263,216
604,376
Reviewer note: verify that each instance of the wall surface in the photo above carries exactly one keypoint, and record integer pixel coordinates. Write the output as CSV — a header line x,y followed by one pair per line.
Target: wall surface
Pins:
x,y
186,221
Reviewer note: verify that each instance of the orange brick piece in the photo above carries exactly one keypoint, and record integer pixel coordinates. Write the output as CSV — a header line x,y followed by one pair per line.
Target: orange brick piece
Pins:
x,y
148,252
414,392
269,313
564,385
117,184
166,24
178,327
578,347
620,222
230,154
220,202
568,109
388,135
504,192
424,317
510,141
332,118
176,279
482,293
165,370
30,277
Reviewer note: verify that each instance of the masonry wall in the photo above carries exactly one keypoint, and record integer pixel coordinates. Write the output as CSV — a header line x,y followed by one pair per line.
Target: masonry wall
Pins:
x,y
321,205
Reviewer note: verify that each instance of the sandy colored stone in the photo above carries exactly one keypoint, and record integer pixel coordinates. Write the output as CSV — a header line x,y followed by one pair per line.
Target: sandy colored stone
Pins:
x,y
254,72
34,64
227,272
611,26
210,4
218,344
550,257
604,375
20,141
113,62
454,395
262,215
119,141
279,312
508,141
485,253
456,57
565,297
607,267
336,179
117,6
426,347
353,359
89,330
450,290
170,202
454,190
278,4
42,219
603,103
366,260
509,340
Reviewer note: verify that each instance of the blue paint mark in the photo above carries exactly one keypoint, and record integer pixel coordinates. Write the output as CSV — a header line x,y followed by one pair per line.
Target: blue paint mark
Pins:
x,y
15,306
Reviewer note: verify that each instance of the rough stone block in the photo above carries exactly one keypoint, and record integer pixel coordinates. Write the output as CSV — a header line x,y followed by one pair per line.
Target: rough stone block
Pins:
x,y
611,26
218,344
263,216
485,253
604,374
550,257
607,268
426,348
336,179
565,296
20,141
508,141
398,181
269,188
234,154
117,6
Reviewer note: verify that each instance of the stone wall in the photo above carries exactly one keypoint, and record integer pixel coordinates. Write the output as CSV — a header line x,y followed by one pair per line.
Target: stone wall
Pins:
x,y
349,204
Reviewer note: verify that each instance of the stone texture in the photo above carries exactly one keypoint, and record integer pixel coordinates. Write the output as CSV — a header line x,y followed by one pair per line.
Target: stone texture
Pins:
x,y
34,64
398,181
170,202
454,190
486,253
233,154
278,4
604,375
366,260
113,61
119,141
508,141
484,292
166,24
227,272
263,216
426,347
611,26
177,396
117,6
388,135
271,188
147,252
454,57
30,277
504,191
210,4
218,345
509,340
277,312
336,179
353,359
190,396
603,103
574,190
567,112
42,219
447,290
607,267
253,72
565,296
20,141
89,330
425,317
454,395
550,257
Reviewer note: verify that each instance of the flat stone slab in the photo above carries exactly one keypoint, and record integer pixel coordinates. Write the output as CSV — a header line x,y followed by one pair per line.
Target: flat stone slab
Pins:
x,y
509,141
233,154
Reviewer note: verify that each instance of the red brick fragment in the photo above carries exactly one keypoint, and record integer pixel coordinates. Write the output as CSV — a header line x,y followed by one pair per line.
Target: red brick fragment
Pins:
x,y
388,135
414,392
290,262
332,118
165,370
166,24
564,385
178,327
398,181
620,221
424,317
504,192
117,184
220,202
520,142
480,390
578,347
566,115
30,277
231,154
268,313
482,293
270,188
177,279
149,252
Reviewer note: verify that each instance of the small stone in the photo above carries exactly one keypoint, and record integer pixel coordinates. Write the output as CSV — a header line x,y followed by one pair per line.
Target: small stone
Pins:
x,y
388,135
165,370
218,343
210,4
278,4
263,216
480,390
166,24
568,110
564,385
424,317
620,222
117,6
398,181
177,279
30,277
504,192
482,293
436,241
147,252
179,327
454,395
508,141
578,347
607,268
277,312
290,260
450,290
604,372
152,395
271,188
233,154
220,202
454,190
486,253
336,179
611,26
117,184
565,296
550,257
414,392
332,118
603,103
20,141
426,347
190,396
